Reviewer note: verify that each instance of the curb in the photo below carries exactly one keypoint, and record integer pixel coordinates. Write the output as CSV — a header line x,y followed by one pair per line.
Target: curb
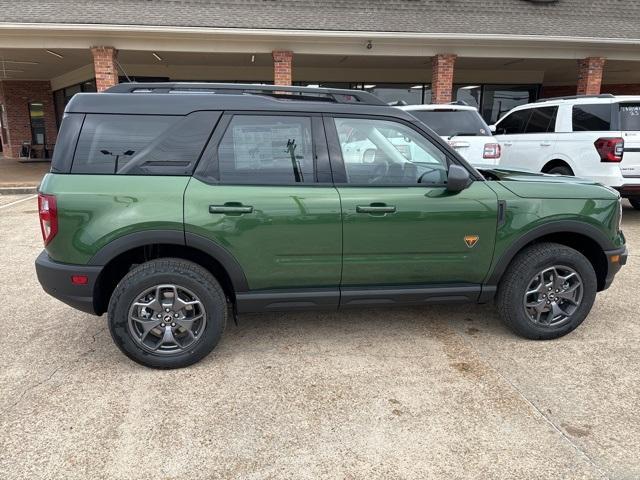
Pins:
x,y
18,190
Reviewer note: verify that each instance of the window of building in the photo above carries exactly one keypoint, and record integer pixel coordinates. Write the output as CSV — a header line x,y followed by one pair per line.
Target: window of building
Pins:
x,y
61,97
591,118
453,122
542,120
387,152
497,100
262,149
405,94
36,116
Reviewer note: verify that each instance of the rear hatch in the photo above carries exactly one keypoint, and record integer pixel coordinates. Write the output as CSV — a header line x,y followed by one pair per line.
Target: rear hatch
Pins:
x,y
630,127
465,131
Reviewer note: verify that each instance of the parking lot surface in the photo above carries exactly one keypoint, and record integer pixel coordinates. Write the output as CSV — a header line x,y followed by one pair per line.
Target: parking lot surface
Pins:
x,y
428,392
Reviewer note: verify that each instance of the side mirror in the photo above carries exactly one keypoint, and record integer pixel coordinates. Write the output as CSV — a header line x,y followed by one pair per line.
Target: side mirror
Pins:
x,y
492,128
458,178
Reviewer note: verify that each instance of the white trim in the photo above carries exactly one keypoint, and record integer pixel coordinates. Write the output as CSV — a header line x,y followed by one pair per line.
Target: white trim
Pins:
x,y
80,27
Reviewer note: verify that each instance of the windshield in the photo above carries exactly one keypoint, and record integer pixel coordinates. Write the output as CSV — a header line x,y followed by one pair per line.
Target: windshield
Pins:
x,y
630,117
447,123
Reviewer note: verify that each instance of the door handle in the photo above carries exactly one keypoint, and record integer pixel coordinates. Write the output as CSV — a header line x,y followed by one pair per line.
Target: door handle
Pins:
x,y
507,144
231,208
376,208
545,144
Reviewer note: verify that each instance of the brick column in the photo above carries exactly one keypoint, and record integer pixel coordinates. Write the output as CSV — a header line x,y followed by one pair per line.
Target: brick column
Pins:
x,y
282,72
442,77
590,75
15,96
104,64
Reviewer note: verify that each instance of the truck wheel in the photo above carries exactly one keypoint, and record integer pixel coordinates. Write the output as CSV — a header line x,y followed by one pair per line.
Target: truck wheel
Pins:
x,y
547,291
167,313
635,203
561,170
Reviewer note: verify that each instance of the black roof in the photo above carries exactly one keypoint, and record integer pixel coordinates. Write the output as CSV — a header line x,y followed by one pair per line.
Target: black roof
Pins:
x,y
185,102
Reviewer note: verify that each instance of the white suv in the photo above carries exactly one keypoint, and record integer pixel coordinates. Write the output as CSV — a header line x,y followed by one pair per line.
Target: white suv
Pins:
x,y
596,137
463,128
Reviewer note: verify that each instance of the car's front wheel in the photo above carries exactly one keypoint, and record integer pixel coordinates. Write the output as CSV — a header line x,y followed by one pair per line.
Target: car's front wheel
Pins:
x,y
547,291
167,313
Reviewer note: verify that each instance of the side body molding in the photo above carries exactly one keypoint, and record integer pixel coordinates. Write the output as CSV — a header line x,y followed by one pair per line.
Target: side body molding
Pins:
x,y
174,237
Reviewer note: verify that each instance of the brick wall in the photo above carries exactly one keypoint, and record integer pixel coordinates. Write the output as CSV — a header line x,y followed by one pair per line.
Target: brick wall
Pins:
x,y
282,67
590,75
442,78
15,96
105,67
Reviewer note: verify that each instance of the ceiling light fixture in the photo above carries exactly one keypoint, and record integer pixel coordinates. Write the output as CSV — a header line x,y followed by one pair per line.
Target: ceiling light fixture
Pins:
x,y
469,87
253,59
157,57
417,86
369,86
22,62
55,54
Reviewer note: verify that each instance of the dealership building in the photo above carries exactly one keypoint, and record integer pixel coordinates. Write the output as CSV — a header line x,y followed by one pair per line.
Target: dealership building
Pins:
x,y
493,54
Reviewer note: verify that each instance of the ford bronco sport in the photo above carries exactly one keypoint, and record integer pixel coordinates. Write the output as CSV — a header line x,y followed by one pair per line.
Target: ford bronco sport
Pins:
x,y
174,206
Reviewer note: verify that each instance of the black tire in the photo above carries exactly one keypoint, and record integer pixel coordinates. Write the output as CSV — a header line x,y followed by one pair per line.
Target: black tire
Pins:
x,y
517,278
186,275
561,170
635,203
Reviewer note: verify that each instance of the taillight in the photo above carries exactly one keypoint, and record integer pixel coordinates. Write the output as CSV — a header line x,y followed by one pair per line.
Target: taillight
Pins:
x,y
610,149
48,212
491,150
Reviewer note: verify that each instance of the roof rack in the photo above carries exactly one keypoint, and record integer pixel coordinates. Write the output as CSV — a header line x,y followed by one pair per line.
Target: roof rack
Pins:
x,y
278,91
574,97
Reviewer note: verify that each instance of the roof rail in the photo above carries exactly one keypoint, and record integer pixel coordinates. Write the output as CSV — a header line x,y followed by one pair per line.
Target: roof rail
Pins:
x,y
278,91
574,97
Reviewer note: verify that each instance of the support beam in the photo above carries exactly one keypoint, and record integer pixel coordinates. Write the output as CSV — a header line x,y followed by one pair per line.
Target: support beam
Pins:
x,y
104,64
590,75
282,67
442,77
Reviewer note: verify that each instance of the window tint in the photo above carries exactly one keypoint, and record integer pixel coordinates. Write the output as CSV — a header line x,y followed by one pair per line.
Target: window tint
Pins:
x,y
513,123
542,120
267,149
453,122
142,144
591,118
387,152
630,117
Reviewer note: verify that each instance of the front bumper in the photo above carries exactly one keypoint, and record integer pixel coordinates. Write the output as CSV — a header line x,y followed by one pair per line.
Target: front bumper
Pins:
x,y
615,260
55,279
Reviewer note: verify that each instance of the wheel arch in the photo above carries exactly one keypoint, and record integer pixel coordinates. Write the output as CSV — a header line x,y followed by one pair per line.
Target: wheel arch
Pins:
x,y
557,162
118,256
583,237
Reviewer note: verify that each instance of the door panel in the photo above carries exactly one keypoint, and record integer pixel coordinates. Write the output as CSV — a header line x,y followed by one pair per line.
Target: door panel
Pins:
x,y
282,236
423,240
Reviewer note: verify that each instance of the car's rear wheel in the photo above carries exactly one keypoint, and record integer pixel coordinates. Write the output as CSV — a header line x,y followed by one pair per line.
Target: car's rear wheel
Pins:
x,y
167,313
547,291
635,203
561,170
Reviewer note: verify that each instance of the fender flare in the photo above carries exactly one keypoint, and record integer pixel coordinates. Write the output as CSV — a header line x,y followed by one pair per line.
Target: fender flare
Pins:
x,y
174,237
558,226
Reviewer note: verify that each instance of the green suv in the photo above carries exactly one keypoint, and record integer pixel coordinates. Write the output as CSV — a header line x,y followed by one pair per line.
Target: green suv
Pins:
x,y
174,206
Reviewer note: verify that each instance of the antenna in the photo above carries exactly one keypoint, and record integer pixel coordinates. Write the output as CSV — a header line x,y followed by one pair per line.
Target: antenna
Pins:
x,y
122,69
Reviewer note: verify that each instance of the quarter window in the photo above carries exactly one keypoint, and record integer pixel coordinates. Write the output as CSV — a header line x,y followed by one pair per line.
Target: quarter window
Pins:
x,y
387,152
267,150
542,120
591,118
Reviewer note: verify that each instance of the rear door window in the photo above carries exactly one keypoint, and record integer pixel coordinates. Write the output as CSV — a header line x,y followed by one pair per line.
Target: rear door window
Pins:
x,y
514,123
591,118
264,149
542,120
630,117
142,144
449,123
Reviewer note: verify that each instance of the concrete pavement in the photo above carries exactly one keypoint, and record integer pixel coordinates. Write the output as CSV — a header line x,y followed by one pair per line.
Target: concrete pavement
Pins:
x,y
433,392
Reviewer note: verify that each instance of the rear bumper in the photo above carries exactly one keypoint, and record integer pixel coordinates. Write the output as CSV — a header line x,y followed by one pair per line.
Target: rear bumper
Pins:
x,y
615,259
55,279
629,190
